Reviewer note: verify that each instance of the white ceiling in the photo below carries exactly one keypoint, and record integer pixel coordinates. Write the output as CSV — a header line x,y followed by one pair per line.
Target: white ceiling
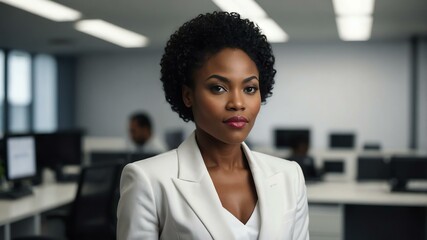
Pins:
x,y
303,20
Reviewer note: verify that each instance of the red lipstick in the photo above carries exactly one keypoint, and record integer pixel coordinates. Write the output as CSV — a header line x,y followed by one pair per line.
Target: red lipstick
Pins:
x,y
236,122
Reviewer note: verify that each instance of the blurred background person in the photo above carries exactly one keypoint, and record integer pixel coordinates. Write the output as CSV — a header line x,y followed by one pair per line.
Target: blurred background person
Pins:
x,y
299,153
142,134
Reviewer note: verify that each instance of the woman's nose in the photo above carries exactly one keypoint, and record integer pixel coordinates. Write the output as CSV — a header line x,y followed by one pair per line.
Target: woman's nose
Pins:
x,y
235,101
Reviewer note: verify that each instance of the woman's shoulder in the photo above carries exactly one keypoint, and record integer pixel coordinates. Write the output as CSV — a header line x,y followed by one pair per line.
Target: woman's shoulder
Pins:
x,y
159,165
276,164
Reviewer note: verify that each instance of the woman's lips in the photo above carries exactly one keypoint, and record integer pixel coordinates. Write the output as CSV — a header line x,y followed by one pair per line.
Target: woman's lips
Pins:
x,y
236,122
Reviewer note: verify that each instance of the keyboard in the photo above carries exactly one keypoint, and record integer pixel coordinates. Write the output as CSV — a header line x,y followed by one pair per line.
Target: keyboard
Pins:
x,y
16,193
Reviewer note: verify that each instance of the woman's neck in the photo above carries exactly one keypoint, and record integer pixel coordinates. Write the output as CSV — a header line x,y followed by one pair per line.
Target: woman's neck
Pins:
x,y
217,154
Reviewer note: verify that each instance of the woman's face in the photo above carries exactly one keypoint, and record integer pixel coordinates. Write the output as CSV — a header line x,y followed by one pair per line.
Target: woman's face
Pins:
x,y
225,98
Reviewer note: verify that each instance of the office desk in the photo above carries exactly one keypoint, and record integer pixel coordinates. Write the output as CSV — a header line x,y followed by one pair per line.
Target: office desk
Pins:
x,y
336,208
22,216
352,210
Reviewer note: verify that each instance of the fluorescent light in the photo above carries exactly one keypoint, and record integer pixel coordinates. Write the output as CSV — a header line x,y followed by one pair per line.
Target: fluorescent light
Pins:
x,y
227,5
111,33
251,10
47,9
246,8
353,7
272,30
354,28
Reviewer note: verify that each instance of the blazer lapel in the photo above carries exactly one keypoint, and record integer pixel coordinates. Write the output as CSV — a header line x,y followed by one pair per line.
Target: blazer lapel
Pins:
x,y
195,185
269,187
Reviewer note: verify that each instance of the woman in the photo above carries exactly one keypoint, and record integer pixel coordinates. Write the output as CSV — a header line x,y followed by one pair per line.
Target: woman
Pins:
x,y
217,69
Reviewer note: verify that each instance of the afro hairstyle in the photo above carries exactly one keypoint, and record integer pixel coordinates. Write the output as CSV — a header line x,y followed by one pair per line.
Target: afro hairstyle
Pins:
x,y
204,36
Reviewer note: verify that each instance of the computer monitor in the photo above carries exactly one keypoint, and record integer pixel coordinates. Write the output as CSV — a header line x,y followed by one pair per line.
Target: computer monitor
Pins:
x,y
371,168
59,149
283,138
19,154
406,168
342,140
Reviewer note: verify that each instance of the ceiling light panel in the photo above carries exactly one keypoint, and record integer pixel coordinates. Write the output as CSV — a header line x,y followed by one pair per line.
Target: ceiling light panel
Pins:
x,y
353,7
112,33
272,30
354,28
251,10
47,9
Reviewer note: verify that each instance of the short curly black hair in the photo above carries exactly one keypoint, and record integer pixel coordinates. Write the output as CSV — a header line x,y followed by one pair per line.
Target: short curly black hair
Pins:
x,y
206,35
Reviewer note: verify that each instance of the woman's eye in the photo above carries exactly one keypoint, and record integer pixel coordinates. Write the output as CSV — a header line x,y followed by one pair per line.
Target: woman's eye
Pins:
x,y
251,89
217,89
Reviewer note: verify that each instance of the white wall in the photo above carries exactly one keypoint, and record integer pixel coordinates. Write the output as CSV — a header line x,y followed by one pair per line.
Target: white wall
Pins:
x,y
422,96
111,87
361,87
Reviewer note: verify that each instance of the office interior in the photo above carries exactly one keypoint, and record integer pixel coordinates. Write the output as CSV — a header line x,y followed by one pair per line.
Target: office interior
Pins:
x,y
373,90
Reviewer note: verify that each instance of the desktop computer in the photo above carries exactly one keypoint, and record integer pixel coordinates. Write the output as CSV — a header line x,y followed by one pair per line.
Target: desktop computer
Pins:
x,y
407,168
19,156
284,138
60,149
342,140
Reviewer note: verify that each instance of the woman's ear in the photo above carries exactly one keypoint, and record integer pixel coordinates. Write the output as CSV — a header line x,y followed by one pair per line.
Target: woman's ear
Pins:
x,y
187,96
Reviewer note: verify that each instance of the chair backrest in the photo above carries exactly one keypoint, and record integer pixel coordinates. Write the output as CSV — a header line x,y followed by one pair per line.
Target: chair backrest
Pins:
x,y
174,138
91,216
372,168
108,157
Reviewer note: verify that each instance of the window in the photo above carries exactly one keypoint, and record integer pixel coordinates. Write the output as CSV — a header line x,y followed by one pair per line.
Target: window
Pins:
x,y
45,93
31,84
2,61
19,91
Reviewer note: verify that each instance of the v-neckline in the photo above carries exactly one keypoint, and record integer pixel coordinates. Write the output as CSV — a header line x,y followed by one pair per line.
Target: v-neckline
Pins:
x,y
254,212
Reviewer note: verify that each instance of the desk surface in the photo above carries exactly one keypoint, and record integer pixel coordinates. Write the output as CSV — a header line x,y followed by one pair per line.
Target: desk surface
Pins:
x,y
50,196
45,197
373,193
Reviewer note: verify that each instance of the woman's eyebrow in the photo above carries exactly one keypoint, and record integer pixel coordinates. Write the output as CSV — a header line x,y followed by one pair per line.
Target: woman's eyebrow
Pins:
x,y
226,80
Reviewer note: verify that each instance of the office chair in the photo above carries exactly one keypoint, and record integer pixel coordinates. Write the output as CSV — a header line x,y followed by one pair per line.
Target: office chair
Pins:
x,y
91,216
174,138
104,157
123,158
372,168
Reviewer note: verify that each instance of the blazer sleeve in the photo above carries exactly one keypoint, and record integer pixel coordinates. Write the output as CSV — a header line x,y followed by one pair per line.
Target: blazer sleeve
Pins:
x,y
136,211
301,217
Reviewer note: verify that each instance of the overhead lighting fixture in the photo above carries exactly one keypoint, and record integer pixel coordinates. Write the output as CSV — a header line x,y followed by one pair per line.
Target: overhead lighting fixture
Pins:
x,y
353,7
272,30
354,28
112,33
251,10
246,8
47,9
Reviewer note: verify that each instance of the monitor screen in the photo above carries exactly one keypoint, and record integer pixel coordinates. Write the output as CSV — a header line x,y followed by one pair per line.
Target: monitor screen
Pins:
x,y
59,148
284,138
408,167
20,156
372,168
342,140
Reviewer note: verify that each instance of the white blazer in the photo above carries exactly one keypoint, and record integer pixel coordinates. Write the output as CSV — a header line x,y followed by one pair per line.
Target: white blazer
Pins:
x,y
171,196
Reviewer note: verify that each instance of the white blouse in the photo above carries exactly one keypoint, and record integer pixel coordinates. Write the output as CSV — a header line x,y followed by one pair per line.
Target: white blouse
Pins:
x,y
248,231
